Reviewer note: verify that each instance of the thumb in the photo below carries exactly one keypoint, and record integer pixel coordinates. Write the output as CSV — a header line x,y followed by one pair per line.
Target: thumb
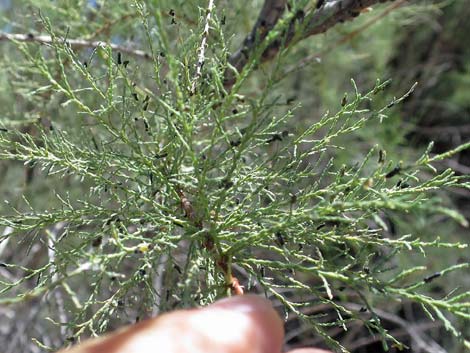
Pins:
x,y
240,324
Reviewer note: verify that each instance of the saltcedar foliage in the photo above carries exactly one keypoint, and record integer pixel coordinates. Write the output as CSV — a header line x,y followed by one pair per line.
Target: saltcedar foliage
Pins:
x,y
146,184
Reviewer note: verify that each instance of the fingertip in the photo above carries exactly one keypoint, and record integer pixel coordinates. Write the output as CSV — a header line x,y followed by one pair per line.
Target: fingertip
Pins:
x,y
265,327
309,350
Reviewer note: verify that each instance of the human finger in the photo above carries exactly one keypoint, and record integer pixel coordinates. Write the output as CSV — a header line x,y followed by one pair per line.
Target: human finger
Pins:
x,y
241,324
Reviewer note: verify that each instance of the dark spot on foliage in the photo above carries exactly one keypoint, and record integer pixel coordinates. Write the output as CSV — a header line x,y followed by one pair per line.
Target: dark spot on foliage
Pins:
x,y
381,156
432,277
280,239
177,268
226,184
235,143
136,97
291,100
125,63
97,241
393,172
274,137
293,198
161,155
119,58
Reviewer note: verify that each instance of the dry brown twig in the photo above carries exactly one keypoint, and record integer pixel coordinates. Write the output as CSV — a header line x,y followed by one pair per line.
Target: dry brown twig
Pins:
x,y
316,21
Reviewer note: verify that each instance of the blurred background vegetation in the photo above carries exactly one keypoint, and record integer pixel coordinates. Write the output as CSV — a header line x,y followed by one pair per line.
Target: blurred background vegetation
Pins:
x,y
406,41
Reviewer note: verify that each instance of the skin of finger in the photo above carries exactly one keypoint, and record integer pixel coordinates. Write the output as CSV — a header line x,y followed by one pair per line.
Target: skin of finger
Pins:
x,y
245,324
309,350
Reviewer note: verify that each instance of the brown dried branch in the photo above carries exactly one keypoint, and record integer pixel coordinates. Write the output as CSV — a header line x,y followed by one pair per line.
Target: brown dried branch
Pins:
x,y
316,21
270,13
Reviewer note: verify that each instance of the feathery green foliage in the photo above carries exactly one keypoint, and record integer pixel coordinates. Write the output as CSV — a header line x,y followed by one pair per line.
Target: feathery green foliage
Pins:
x,y
154,195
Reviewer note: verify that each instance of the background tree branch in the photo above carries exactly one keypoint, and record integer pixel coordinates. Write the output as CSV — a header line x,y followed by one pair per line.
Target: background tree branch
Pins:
x,y
314,22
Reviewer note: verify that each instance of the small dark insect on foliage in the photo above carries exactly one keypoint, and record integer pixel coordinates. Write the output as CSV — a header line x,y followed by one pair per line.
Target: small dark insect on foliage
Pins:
x,y
38,279
432,277
85,64
363,309
235,143
142,272
393,172
381,156
136,97
263,271
280,239
278,137
344,101
222,22
226,184
177,268
291,100
402,185
161,155
171,12
97,241
119,58
125,63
